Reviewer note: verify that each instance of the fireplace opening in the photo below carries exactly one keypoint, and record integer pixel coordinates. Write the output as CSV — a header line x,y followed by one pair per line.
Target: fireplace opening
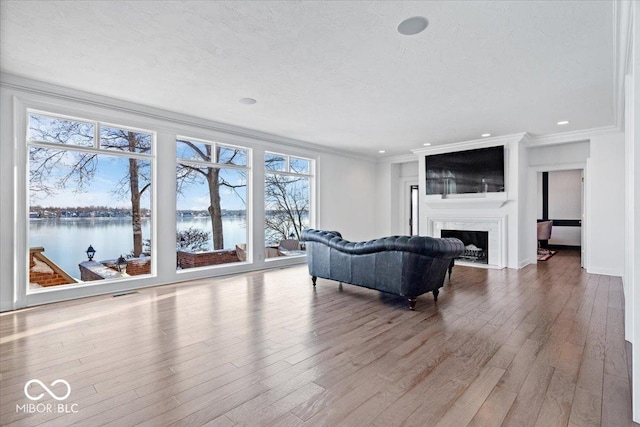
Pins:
x,y
476,244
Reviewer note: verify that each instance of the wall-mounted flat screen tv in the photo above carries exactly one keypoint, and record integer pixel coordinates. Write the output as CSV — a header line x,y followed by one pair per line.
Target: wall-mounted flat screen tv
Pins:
x,y
471,171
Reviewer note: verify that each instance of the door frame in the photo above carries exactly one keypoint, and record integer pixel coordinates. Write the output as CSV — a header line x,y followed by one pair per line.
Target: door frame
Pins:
x,y
405,203
531,235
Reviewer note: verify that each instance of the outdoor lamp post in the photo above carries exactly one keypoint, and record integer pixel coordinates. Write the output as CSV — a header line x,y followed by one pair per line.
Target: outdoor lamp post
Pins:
x,y
121,263
90,252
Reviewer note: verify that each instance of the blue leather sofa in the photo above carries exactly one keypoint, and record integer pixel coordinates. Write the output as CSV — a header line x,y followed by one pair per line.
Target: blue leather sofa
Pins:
x,y
401,265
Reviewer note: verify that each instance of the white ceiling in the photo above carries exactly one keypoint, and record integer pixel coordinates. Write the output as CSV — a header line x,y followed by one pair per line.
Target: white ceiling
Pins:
x,y
332,73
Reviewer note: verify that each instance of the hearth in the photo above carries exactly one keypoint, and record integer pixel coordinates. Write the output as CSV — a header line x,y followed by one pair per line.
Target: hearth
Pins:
x,y
476,244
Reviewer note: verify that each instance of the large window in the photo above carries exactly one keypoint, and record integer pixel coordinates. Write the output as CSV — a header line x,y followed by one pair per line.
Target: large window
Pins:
x,y
89,200
211,206
288,183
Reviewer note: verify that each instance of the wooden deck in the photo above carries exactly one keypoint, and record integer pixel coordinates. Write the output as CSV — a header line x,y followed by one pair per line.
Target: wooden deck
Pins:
x,y
539,346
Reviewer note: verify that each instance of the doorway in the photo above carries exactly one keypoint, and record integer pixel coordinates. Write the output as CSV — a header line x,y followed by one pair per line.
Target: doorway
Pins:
x,y
560,199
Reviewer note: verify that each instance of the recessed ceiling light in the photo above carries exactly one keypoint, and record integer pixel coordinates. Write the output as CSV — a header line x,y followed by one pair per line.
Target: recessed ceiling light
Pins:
x,y
381,151
412,26
485,135
426,144
563,122
247,101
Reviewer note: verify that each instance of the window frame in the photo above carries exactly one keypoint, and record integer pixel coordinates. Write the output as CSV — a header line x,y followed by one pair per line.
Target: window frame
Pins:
x,y
27,143
288,163
311,175
215,164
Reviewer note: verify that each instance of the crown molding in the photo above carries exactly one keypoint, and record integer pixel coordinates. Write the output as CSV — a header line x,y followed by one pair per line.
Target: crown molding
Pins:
x,y
474,143
525,139
401,158
19,83
567,137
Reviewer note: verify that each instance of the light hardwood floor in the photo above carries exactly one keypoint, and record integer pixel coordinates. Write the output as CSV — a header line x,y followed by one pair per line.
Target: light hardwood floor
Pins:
x,y
539,346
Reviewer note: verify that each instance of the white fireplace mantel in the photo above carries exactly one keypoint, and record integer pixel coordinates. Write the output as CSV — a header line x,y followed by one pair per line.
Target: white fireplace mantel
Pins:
x,y
467,201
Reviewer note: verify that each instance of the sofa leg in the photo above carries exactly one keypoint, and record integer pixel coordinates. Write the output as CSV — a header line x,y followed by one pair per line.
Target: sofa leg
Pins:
x,y
435,295
313,280
412,303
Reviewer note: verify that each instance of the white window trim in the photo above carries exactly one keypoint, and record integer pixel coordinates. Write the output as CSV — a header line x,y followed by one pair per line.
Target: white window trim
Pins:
x,y
312,190
248,216
150,157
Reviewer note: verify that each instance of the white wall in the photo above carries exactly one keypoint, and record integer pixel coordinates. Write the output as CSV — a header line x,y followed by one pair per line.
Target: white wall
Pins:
x,y
344,186
565,200
409,169
396,200
525,254
346,201
382,197
559,154
391,195
632,232
7,248
400,217
605,211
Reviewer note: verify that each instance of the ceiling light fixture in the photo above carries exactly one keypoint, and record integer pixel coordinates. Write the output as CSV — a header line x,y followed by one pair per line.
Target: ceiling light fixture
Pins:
x,y
412,26
381,151
563,122
426,144
485,135
247,101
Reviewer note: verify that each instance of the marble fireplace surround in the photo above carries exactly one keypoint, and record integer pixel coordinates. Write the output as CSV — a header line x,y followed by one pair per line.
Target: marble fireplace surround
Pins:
x,y
496,227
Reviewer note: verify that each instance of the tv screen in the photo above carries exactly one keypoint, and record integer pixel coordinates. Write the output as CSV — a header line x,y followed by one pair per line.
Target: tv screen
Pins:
x,y
471,171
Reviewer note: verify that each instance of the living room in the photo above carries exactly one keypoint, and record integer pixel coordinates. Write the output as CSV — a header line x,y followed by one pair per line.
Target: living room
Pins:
x,y
275,84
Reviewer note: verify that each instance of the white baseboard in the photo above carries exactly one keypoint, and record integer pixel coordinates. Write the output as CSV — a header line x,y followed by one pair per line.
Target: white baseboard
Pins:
x,y
523,263
605,271
4,306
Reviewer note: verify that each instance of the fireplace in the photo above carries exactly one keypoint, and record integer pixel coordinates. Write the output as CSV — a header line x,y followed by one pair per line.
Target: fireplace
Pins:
x,y
476,244
494,227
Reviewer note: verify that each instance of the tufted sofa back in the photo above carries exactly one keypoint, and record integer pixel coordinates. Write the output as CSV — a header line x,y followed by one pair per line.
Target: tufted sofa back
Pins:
x,y
421,245
402,265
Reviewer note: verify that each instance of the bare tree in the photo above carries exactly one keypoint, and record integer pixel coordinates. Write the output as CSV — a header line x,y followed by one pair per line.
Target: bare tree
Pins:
x,y
133,142
50,169
192,173
56,169
287,202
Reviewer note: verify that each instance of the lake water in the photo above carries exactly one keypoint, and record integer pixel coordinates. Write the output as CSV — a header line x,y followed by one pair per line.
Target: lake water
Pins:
x,y
66,240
